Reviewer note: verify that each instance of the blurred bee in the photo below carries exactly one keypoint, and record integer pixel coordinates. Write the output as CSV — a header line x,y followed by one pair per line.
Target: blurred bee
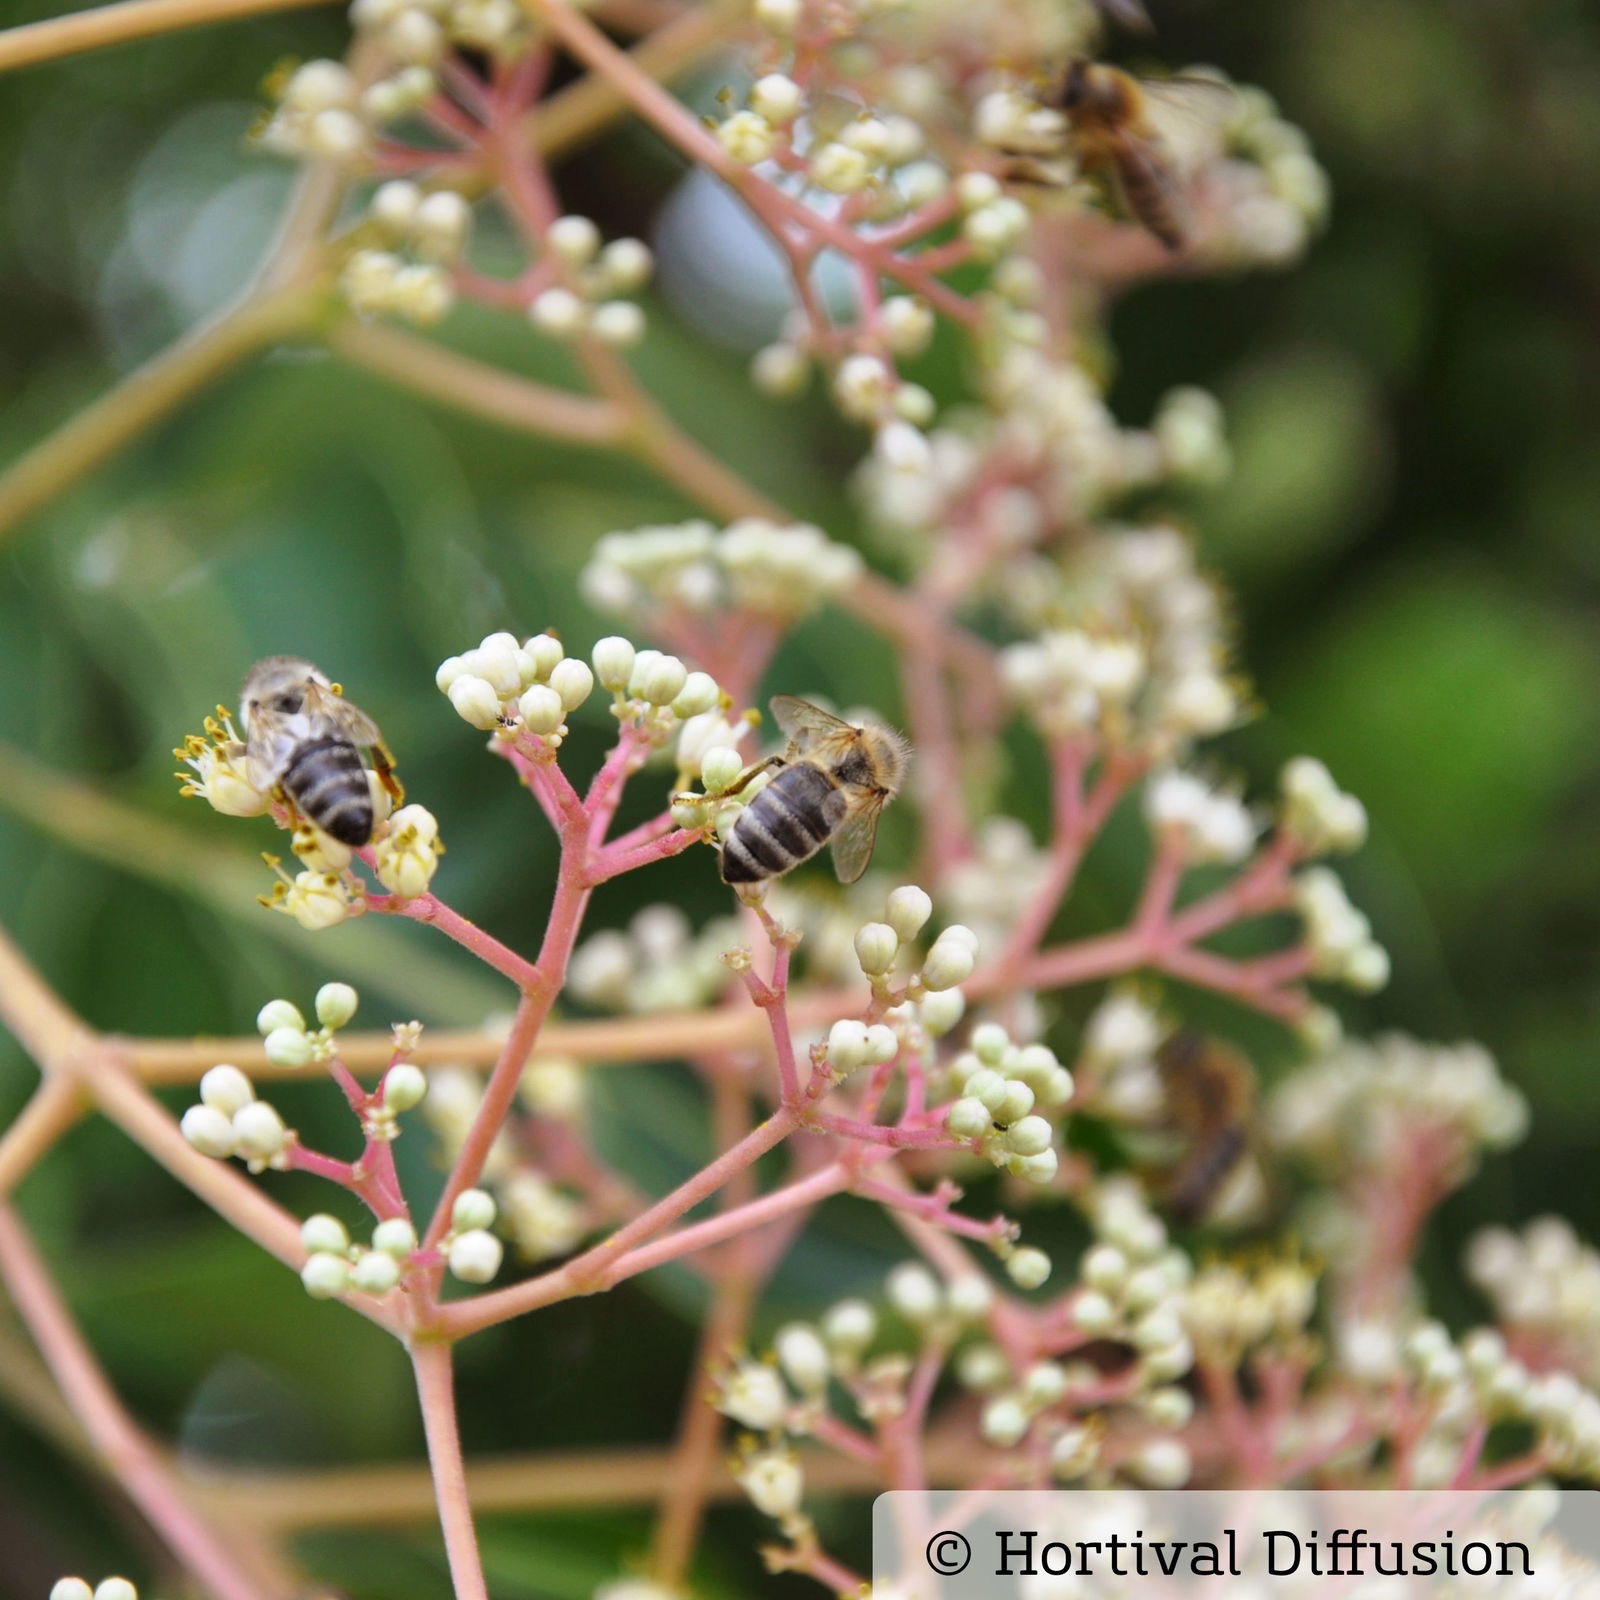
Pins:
x,y
1113,127
831,785
1209,1091
1128,13
303,736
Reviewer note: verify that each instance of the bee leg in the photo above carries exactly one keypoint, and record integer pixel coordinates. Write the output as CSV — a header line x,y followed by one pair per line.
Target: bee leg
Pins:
x,y
383,765
751,773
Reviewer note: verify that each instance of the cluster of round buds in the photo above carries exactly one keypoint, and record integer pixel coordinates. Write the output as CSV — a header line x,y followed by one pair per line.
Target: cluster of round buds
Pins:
x,y
651,689
542,1221
1008,120
1272,193
287,1038
994,223
1000,1088
1211,826
1232,1306
419,32
584,303
321,114
423,233
1338,936
658,963
80,1589
1544,1285
231,1121
1368,1107
842,153
1069,681
217,772
783,571
1566,1417
989,889
853,1044
1320,817
503,686
471,1251
334,1263
867,389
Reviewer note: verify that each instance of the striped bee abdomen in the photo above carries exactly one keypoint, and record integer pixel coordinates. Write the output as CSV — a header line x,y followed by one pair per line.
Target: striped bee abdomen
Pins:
x,y
327,781
787,822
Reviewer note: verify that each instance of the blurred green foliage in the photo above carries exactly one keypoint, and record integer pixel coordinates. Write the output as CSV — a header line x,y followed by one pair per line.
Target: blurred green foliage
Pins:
x,y
1413,533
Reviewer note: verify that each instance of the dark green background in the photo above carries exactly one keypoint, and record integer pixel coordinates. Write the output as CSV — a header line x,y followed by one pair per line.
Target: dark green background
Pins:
x,y
1413,533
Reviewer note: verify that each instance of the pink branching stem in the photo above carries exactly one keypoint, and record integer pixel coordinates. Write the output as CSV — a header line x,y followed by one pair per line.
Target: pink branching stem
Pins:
x,y
349,1084
429,908
605,792
770,996
934,1208
895,1138
1230,977
1161,884
301,1159
829,1430
902,1435
546,781
1262,886
466,86
436,1395
613,860
658,826
450,120
1510,1473
116,1439
1251,1449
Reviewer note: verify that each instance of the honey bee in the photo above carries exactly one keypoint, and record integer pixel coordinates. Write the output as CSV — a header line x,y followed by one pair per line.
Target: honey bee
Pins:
x,y
303,736
1113,127
832,784
1209,1090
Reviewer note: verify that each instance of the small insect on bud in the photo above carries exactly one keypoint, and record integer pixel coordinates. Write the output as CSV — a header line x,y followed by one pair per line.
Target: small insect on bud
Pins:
x,y
473,1208
877,944
325,1276
279,1014
1028,1267
288,1047
541,709
336,1004
324,1233
908,910
226,1089
209,1130
394,1237
404,1086
376,1272
613,659
475,1256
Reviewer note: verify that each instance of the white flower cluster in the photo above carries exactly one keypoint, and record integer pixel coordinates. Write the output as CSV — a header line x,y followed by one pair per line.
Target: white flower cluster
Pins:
x,y
593,275
658,963
1212,825
1000,1088
420,31
950,959
1338,936
106,1589
322,112
1189,430
1132,643
783,572
423,234
1320,817
502,685
989,890
1117,1057
1544,1285
217,769
334,1263
1361,1107
1273,193
1232,1307
231,1121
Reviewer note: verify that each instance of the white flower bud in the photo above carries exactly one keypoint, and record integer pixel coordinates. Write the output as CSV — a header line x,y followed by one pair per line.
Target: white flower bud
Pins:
x,y
907,323
626,265
803,1357
376,1272
618,322
657,678
1029,1137
541,709
416,37
71,1589
573,681
877,945
959,933
982,1367
320,86
325,1276
337,135
1014,1104
209,1130
115,1589
971,1297
949,962
753,1394
1028,1267
914,1292
575,239
1105,1268
840,169
288,1047
473,1208
1004,1422
226,1089
861,385
908,910
940,1012
475,1256
324,1233
277,1014
779,16
394,1237
258,1130
613,659
1044,1383
850,1326
779,371
747,137
404,1086
720,767
442,221
698,695
988,1088
475,701
974,189
774,1482
336,1004
1162,1464
847,1045
540,656
883,1044
1040,1168
1169,1408
394,206
1367,969
968,1119
560,313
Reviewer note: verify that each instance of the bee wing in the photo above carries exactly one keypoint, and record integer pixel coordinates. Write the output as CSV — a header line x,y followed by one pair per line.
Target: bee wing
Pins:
x,y
270,744
1187,115
804,722
853,841
350,720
